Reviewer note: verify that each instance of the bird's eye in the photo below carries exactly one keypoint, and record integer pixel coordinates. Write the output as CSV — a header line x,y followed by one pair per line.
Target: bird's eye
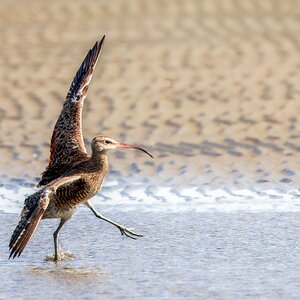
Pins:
x,y
107,141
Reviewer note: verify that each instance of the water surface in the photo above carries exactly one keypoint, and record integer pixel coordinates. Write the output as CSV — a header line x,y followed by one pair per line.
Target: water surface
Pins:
x,y
182,255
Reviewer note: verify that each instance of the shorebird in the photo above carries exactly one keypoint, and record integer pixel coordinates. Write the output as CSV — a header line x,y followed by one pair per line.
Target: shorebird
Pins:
x,y
72,177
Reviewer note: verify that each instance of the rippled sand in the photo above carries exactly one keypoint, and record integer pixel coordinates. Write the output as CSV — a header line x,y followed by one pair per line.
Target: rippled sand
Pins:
x,y
210,87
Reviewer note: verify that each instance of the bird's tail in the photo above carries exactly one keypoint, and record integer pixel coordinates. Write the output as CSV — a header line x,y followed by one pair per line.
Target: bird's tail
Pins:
x,y
35,206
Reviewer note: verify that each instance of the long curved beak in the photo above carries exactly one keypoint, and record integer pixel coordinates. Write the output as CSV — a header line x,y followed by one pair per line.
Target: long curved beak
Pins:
x,y
122,145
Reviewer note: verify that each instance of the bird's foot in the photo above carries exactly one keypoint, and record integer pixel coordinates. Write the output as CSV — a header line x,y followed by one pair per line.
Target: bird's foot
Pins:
x,y
60,256
129,232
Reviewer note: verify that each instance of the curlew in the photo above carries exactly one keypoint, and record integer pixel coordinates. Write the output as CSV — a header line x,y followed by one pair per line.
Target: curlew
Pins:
x,y
72,177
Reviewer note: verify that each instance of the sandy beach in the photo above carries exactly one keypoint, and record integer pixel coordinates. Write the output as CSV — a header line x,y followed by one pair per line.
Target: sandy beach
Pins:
x,y
205,85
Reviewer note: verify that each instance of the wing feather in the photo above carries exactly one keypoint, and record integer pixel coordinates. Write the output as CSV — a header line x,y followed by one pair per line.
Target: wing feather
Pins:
x,y
34,208
67,145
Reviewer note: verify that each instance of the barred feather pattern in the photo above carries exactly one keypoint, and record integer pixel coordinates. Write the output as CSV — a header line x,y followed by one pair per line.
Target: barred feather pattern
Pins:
x,y
34,207
67,145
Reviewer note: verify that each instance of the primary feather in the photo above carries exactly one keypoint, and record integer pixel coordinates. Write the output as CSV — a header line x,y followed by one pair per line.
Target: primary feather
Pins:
x,y
67,146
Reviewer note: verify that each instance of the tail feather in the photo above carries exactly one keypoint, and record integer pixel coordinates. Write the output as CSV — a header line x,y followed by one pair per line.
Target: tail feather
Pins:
x,y
35,206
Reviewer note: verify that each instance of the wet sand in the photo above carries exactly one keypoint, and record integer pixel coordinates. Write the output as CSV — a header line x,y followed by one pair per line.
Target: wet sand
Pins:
x,y
209,87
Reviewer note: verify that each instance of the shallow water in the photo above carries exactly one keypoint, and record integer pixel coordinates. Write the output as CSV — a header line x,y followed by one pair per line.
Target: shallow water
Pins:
x,y
229,255
220,246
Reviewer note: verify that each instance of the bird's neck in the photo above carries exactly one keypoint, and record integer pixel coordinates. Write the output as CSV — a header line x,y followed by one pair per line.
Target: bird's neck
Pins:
x,y
99,160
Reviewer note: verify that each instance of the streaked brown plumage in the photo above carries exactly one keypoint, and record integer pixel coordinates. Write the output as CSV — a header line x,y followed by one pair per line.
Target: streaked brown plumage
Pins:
x,y
72,176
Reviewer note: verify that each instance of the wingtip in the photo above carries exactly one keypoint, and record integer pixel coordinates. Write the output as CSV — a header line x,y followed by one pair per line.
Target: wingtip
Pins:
x,y
98,44
97,47
101,41
13,253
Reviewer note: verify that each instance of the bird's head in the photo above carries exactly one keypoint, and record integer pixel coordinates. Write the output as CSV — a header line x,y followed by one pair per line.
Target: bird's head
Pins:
x,y
102,143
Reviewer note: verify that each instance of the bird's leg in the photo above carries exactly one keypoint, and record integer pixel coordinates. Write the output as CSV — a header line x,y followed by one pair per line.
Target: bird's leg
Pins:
x,y
124,231
55,236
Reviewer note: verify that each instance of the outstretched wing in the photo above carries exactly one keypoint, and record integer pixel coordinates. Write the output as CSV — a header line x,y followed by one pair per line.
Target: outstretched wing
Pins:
x,y
34,208
67,146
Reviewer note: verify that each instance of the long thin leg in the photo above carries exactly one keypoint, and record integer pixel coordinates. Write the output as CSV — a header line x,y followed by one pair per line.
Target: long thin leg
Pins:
x,y
124,231
55,236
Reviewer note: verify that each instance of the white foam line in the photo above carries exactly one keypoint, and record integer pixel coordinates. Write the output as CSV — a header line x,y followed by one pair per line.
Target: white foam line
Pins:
x,y
166,199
